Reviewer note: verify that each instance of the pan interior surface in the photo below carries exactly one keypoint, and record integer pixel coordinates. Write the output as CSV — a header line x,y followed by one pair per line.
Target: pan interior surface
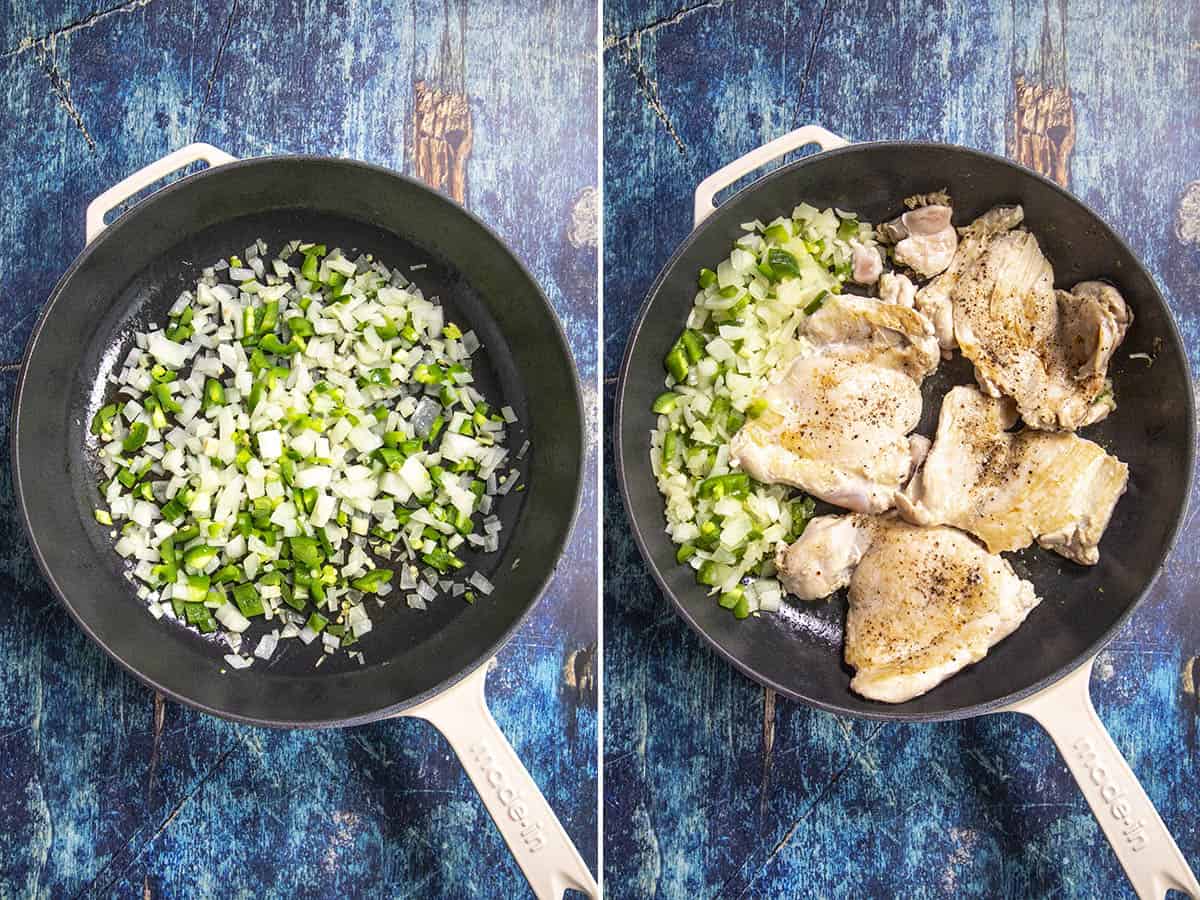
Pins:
x,y
798,651
128,279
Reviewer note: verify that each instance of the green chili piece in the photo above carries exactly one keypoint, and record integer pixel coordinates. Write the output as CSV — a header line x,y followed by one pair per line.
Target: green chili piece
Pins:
x,y
730,599
707,278
248,601
676,363
300,327
197,588
782,262
308,269
664,403
271,343
183,535
306,550
136,437
227,574
270,317
197,614
198,557
735,484
102,421
693,346
756,407
370,582
214,393
684,553
670,440
816,304
778,233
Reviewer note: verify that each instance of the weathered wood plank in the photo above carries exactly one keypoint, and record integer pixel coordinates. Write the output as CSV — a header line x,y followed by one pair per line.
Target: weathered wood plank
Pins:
x,y
105,788
979,808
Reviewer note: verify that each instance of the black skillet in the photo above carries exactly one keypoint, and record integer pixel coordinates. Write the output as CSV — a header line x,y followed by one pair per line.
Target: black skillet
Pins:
x,y
799,651
430,663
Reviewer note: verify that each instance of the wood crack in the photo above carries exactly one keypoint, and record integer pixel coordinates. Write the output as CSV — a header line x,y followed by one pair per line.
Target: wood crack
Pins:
x,y
61,87
728,886
649,90
212,75
678,16
48,39
768,748
135,854
812,49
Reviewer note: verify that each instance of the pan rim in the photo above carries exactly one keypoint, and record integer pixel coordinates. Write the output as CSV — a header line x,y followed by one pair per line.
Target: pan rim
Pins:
x,y
113,232
889,713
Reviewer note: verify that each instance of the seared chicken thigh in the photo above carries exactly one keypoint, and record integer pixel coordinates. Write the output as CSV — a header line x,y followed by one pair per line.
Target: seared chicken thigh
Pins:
x,y
837,422
1011,489
1048,350
924,602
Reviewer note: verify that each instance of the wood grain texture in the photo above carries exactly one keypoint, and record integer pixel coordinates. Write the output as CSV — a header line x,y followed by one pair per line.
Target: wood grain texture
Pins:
x,y
703,796
105,788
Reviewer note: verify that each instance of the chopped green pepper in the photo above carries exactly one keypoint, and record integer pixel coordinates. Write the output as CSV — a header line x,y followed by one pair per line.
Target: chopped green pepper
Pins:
x,y
136,437
781,261
664,403
676,363
102,421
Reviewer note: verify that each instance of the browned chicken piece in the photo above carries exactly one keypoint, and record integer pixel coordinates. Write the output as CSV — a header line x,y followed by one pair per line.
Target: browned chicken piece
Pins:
x,y
1048,350
1013,488
838,420
924,602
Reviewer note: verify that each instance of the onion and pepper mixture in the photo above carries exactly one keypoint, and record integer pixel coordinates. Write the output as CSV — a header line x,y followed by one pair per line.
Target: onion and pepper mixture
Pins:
x,y
743,326
301,440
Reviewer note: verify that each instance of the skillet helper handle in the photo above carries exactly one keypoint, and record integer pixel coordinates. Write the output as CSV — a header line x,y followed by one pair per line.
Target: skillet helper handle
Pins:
x,y
1148,853
744,165
144,177
528,825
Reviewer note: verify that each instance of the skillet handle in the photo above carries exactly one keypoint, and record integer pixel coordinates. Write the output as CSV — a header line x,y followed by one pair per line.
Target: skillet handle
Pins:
x,y
1148,853
528,825
144,177
744,165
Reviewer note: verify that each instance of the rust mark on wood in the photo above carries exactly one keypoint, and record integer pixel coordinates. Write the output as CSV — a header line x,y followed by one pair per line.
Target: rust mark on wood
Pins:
x,y
440,139
1043,129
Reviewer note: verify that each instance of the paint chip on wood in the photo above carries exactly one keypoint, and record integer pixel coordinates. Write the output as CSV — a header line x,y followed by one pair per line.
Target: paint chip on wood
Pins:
x,y
1187,221
584,230
1042,135
440,137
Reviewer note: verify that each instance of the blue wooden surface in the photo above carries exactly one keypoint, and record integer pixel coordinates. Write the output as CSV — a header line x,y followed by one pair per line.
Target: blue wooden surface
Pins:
x,y
106,790
714,788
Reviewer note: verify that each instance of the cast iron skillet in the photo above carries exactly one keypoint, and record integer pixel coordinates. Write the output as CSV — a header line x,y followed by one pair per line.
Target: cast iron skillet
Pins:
x,y
799,651
132,273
